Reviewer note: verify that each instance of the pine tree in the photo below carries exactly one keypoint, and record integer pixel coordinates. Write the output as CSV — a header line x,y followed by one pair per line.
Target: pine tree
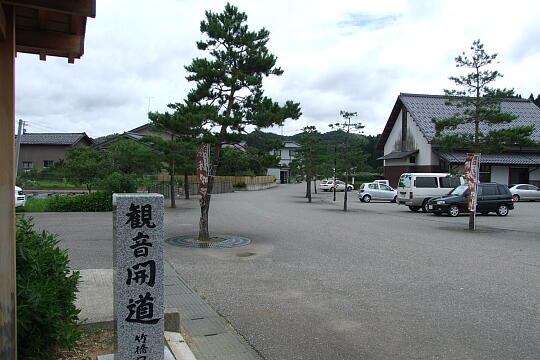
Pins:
x,y
230,79
479,105
347,127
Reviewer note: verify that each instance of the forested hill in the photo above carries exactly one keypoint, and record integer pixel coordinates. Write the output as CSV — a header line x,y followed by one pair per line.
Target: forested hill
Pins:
x,y
258,139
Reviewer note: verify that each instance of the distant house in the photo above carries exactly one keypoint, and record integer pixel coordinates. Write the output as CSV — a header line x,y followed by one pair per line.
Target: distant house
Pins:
x,y
42,150
135,134
286,154
407,136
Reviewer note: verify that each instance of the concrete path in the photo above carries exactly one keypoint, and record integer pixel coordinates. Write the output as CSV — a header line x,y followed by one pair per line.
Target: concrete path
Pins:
x,y
208,335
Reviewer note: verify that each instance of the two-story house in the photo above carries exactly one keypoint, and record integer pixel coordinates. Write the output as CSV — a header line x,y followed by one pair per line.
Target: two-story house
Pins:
x,y
42,150
286,154
406,141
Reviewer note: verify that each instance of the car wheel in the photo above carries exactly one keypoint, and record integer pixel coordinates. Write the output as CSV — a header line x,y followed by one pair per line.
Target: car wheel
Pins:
x,y
414,208
366,198
424,206
351,188
394,199
515,197
502,210
453,210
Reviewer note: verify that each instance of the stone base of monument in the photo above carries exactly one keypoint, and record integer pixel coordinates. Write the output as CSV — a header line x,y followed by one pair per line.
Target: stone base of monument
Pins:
x,y
167,355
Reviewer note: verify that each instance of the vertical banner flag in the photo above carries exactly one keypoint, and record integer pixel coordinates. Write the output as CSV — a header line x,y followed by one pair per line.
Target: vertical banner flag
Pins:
x,y
472,167
202,160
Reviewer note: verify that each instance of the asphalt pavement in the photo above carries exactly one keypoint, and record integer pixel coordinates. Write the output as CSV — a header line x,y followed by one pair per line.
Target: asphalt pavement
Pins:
x,y
376,282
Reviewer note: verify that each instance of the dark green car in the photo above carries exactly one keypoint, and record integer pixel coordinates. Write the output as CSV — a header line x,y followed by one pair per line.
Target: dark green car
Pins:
x,y
492,197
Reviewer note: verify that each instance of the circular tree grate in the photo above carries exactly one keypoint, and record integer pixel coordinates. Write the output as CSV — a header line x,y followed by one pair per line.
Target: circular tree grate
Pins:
x,y
229,241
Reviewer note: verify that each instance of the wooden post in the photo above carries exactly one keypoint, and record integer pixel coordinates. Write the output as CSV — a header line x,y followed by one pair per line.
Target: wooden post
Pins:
x,y
8,296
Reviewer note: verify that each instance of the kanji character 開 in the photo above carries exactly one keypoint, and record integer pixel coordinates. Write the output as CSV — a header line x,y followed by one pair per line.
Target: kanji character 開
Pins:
x,y
142,273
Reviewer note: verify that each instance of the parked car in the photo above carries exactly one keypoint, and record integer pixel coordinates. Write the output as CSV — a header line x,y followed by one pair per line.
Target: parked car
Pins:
x,y
492,197
415,189
376,191
20,198
523,192
328,185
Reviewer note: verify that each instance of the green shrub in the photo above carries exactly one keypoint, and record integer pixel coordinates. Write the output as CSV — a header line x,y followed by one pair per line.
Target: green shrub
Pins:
x,y
119,183
97,201
46,315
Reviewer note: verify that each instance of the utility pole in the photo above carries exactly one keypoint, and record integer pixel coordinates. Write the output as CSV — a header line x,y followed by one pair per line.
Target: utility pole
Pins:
x,y
18,147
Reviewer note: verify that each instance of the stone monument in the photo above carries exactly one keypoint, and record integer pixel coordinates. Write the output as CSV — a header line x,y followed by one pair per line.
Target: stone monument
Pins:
x,y
138,276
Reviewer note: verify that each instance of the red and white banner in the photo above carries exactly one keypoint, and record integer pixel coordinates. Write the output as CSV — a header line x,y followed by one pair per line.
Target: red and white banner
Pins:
x,y
472,175
202,163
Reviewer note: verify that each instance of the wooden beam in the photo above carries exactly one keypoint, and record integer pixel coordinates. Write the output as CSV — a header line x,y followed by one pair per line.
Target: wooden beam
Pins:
x,y
85,8
3,24
8,288
55,42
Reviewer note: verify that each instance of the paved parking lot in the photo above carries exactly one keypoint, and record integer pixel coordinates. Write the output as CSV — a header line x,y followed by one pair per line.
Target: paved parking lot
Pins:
x,y
377,282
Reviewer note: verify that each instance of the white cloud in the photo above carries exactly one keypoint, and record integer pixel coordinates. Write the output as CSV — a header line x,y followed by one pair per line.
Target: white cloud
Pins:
x,y
347,55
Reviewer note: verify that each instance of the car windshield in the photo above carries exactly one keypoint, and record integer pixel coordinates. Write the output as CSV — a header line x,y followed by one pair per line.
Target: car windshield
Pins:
x,y
460,190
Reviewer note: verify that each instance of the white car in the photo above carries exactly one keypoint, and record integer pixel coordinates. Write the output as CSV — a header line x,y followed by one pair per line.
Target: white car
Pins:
x,y
524,192
20,198
376,191
328,185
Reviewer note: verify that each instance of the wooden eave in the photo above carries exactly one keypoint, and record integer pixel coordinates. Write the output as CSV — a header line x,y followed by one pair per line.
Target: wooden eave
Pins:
x,y
51,27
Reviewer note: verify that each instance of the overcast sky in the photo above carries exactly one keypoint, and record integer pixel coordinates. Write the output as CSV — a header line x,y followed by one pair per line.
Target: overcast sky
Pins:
x,y
341,55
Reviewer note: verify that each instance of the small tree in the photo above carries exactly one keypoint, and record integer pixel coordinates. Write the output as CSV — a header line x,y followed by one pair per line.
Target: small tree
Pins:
x,y
230,78
309,156
85,165
177,156
480,106
479,109
347,127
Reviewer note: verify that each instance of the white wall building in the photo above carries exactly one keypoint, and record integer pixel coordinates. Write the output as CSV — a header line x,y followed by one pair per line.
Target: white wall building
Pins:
x,y
407,136
286,154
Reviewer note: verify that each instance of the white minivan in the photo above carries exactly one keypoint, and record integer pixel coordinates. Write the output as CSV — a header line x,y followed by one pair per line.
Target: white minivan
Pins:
x,y
415,189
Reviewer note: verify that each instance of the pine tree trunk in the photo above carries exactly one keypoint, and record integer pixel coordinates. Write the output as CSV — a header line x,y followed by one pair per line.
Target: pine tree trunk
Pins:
x,y
204,235
309,188
203,223
186,186
171,184
315,184
346,190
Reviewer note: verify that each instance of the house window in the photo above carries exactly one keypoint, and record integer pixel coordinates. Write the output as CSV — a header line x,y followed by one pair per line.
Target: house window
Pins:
x,y
292,153
277,152
27,165
485,173
48,163
412,159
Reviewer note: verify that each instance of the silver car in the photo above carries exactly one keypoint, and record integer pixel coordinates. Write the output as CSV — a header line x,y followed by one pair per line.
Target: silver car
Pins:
x,y
524,192
376,191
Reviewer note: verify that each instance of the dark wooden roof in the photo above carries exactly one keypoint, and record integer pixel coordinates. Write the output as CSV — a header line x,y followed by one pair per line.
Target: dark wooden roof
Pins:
x,y
51,27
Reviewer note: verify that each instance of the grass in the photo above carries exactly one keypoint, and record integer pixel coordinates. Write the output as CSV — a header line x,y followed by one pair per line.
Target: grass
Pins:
x,y
35,205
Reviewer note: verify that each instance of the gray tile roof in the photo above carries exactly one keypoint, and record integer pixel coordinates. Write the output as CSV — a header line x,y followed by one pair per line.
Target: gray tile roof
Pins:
x,y
397,155
52,138
423,108
496,159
